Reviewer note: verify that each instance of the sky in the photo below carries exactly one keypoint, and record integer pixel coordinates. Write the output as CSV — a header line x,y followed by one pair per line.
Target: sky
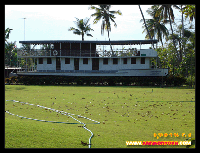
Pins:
x,y
51,22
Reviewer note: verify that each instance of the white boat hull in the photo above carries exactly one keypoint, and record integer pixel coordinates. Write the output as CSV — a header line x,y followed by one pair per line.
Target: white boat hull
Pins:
x,y
125,72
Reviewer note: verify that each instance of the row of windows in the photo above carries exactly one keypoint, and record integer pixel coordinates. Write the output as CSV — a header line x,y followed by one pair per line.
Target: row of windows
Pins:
x,y
115,60
49,61
105,61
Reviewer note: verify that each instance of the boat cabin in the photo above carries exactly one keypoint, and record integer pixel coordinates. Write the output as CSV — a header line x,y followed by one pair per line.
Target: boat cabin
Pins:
x,y
88,58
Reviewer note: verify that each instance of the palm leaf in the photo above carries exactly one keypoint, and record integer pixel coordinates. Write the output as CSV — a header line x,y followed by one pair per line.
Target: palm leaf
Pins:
x,y
82,27
77,32
103,12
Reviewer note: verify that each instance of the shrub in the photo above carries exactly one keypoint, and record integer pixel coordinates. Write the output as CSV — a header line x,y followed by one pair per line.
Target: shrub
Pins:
x,y
179,80
190,81
96,80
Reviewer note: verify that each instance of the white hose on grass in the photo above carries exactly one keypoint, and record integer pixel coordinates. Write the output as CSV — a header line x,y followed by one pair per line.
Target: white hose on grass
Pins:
x,y
63,113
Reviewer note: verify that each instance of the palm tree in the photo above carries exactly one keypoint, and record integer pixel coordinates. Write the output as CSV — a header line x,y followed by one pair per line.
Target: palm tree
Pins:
x,y
166,11
155,25
83,28
189,11
7,32
103,12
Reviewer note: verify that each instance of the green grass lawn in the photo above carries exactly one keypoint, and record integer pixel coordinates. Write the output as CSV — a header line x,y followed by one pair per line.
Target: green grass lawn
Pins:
x,y
125,113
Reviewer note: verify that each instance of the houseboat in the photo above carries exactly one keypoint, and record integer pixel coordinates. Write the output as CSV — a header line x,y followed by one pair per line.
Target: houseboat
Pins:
x,y
88,58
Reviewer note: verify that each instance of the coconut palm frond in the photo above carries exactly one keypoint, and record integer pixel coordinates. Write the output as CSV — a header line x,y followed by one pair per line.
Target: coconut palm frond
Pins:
x,y
82,27
103,12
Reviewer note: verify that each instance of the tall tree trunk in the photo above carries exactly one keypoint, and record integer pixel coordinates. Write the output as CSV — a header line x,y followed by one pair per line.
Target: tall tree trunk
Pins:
x,y
110,43
109,39
82,36
183,41
144,21
172,33
161,42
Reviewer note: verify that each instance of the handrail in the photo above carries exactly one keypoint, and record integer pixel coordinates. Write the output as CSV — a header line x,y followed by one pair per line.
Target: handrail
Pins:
x,y
76,53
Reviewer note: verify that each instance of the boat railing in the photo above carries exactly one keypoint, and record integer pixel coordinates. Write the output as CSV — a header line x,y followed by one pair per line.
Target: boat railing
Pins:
x,y
76,53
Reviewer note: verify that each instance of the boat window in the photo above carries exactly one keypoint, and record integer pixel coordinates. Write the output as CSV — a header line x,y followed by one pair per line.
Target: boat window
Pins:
x,y
142,60
115,60
85,61
67,60
49,61
125,60
105,61
133,60
40,60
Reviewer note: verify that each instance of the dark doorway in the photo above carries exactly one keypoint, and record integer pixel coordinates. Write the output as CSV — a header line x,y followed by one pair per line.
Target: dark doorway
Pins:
x,y
58,65
95,64
76,63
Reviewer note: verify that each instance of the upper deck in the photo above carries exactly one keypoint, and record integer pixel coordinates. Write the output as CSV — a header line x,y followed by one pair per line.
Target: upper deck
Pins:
x,y
75,48
97,42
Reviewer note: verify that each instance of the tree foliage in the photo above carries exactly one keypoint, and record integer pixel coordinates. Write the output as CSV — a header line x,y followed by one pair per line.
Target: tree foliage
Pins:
x,y
10,50
189,11
178,51
182,61
103,12
83,27
156,26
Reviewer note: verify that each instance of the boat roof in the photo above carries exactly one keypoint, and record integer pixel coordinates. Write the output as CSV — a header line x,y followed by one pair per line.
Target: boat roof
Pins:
x,y
97,42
